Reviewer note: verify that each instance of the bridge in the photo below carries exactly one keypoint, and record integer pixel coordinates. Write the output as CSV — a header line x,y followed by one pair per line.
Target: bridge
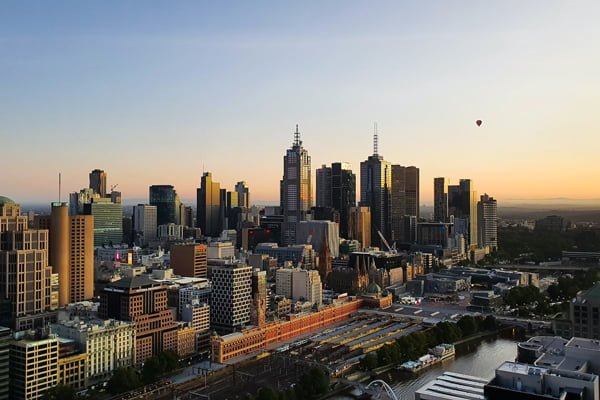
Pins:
x,y
379,388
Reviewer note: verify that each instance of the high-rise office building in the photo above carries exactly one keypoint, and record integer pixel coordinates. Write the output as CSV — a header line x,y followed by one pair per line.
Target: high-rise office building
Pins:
x,y
108,221
145,223
323,186
405,199
462,205
243,194
359,225
33,367
167,202
72,254
208,206
375,193
144,302
98,182
296,189
258,310
231,297
412,191
25,276
189,260
487,222
440,199
5,339
336,189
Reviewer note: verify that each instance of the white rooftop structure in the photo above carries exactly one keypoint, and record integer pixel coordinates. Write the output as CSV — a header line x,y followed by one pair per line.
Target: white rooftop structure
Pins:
x,y
452,386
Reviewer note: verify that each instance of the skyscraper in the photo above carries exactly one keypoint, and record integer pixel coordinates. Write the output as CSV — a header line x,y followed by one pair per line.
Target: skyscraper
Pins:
x,y
323,186
209,214
243,194
72,254
375,192
487,222
412,191
5,339
145,223
405,199
166,200
231,297
336,188
296,189
462,205
440,199
360,225
98,182
108,221
25,296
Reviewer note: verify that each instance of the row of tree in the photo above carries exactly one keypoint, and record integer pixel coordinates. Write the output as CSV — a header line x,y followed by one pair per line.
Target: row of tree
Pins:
x,y
312,384
414,345
544,246
126,379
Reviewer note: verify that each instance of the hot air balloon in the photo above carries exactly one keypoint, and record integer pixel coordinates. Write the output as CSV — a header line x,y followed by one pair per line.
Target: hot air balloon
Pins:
x,y
478,122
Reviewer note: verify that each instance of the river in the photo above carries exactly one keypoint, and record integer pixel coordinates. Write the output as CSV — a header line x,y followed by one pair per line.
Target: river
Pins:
x,y
479,358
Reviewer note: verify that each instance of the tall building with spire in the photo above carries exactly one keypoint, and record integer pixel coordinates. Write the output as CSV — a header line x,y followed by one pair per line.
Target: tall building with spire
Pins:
x,y
375,192
296,189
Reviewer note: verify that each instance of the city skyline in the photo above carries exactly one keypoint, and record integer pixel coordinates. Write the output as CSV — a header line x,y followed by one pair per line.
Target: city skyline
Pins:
x,y
92,87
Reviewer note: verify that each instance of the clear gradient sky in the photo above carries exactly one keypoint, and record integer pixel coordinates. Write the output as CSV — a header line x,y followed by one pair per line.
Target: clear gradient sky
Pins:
x,y
153,92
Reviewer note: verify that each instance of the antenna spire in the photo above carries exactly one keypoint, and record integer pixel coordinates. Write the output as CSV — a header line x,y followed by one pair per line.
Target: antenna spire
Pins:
x,y
297,141
59,184
375,140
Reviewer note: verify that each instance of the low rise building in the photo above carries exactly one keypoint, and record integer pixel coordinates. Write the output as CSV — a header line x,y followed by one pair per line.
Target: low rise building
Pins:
x,y
452,386
109,344
523,381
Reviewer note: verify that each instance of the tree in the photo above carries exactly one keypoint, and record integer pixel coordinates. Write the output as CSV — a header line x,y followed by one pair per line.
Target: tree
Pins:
x,y
266,393
123,380
60,392
369,362
468,325
489,323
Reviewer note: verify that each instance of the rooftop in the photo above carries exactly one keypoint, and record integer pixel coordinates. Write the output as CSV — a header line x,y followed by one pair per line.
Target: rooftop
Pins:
x,y
453,386
134,282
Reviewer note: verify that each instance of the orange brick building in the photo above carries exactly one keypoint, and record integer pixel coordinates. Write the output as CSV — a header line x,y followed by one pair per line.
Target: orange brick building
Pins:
x,y
236,344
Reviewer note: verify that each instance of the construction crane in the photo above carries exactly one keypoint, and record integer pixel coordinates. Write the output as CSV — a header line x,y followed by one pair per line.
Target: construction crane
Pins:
x,y
113,187
392,248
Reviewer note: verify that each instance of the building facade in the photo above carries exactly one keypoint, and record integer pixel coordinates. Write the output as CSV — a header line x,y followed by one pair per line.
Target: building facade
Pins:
x,y
166,200
189,260
440,199
143,302
360,225
375,193
230,297
487,222
108,221
208,206
296,189
25,277
145,225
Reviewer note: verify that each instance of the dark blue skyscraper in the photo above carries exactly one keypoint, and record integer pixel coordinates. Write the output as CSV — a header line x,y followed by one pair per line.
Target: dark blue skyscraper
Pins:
x,y
167,203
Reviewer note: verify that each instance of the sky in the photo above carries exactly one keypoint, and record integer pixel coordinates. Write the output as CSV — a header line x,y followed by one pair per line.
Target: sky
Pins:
x,y
158,92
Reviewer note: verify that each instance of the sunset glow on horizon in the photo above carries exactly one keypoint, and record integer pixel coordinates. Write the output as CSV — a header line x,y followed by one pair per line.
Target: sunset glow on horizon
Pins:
x,y
157,95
